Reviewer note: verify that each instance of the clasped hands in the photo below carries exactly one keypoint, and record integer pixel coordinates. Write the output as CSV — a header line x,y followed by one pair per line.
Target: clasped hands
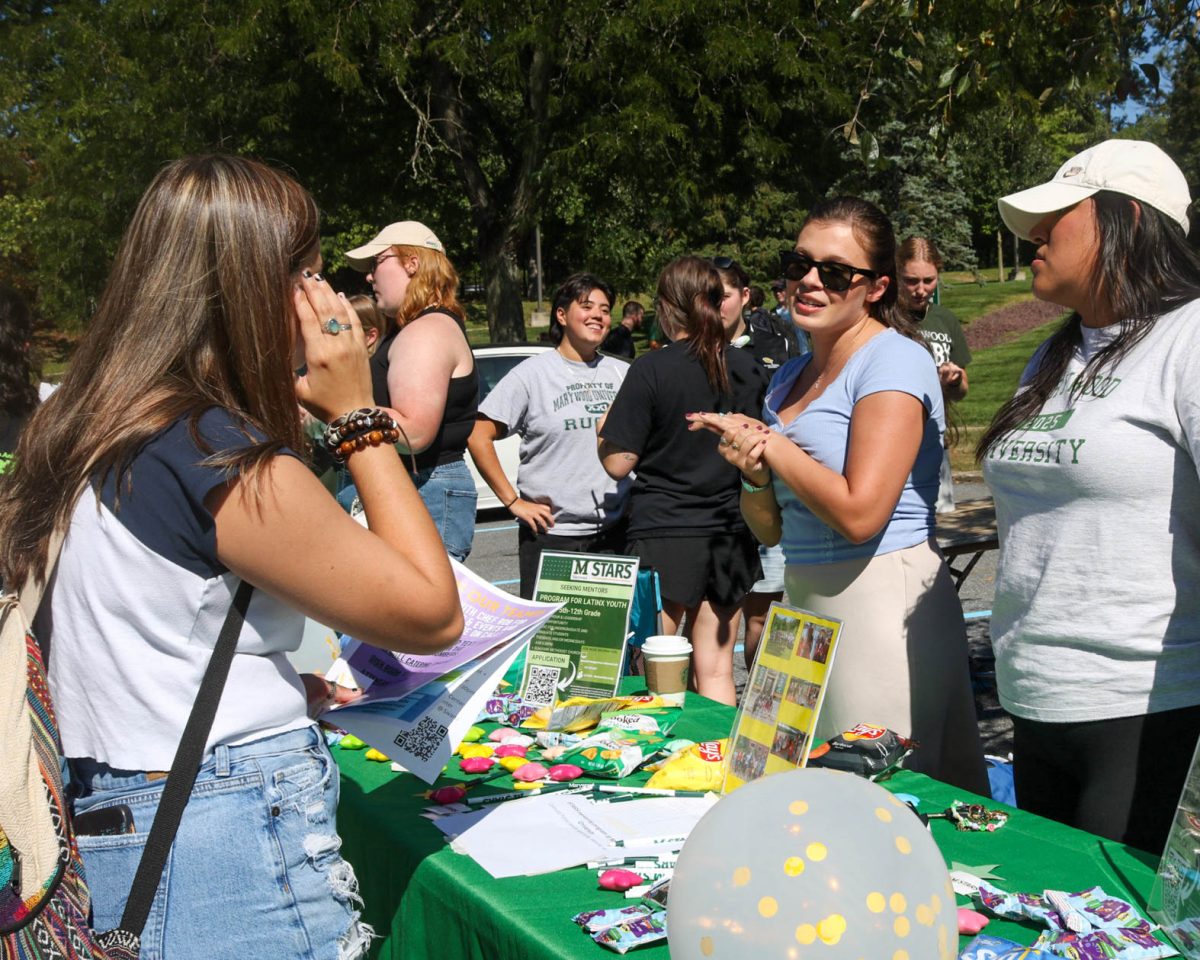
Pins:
x,y
743,441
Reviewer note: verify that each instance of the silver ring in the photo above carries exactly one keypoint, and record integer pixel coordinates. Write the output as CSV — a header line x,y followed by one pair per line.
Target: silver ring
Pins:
x,y
722,442
334,326
735,446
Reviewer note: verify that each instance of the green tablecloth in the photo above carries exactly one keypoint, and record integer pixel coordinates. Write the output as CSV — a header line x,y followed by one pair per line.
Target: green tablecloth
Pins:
x,y
426,901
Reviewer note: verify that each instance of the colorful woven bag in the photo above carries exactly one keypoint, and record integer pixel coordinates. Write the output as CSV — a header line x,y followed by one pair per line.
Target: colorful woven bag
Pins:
x,y
44,903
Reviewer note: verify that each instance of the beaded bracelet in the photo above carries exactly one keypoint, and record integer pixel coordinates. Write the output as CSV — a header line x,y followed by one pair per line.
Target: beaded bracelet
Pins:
x,y
367,426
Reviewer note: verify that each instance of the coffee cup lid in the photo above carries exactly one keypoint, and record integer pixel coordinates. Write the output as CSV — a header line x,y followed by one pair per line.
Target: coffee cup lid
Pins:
x,y
666,645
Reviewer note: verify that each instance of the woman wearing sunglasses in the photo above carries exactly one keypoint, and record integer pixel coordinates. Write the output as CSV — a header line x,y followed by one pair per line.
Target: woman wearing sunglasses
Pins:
x,y
844,474
424,370
1093,465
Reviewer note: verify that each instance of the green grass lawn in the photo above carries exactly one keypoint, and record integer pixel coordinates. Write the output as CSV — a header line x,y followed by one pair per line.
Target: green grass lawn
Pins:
x,y
968,300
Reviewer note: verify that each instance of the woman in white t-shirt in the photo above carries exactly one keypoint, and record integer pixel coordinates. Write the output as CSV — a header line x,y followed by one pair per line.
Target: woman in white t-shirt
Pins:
x,y
563,499
173,450
1093,465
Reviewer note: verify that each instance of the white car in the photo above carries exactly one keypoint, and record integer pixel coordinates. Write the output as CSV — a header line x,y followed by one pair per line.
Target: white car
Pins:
x,y
493,362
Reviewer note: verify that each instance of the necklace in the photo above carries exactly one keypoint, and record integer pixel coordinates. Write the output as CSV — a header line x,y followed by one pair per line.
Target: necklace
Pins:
x,y
835,367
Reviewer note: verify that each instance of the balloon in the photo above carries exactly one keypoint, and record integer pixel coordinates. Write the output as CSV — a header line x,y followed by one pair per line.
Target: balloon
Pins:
x,y
811,863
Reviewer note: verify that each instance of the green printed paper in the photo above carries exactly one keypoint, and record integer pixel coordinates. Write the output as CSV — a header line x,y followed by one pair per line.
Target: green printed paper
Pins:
x,y
580,650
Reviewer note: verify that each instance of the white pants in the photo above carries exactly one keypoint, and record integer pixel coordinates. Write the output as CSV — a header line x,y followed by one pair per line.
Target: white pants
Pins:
x,y
901,660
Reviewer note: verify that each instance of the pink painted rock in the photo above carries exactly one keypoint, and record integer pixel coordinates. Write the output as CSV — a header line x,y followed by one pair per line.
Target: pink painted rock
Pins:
x,y
476,764
510,750
565,771
553,753
970,921
620,880
448,794
530,771
500,734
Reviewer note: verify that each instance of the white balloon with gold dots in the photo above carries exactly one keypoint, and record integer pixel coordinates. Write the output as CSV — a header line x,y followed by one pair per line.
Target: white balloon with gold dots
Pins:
x,y
811,864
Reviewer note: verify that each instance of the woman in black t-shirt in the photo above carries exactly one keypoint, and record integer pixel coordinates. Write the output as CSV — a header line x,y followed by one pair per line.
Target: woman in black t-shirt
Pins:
x,y
684,515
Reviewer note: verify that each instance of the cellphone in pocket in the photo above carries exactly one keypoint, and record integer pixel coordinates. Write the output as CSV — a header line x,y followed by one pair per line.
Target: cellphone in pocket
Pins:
x,y
105,822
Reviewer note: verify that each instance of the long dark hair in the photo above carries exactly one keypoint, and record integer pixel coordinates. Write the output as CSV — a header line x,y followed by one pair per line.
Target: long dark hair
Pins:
x,y
689,297
1144,268
18,392
197,313
873,231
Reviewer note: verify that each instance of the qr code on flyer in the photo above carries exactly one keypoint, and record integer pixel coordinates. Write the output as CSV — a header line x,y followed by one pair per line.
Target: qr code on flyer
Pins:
x,y
422,740
543,685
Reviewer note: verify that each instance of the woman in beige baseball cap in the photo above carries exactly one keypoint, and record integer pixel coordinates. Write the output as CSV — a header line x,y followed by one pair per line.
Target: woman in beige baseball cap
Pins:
x,y
1093,465
424,371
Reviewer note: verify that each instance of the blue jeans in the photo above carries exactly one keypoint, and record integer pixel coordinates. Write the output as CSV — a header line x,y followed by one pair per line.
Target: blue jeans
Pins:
x,y
255,869
449,495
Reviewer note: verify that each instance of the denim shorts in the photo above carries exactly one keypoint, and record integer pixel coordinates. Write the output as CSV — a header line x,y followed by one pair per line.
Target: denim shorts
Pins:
x,y
255,870
449,495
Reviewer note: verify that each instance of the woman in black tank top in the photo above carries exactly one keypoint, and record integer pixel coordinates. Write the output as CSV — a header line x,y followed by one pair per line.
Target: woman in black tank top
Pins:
x,y
424,370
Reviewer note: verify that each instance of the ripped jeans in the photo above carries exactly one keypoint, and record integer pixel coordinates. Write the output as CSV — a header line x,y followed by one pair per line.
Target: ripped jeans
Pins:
x,y
255,870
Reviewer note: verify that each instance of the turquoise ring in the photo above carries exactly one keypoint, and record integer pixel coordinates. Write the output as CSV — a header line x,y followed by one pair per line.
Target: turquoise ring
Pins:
x,y
334,326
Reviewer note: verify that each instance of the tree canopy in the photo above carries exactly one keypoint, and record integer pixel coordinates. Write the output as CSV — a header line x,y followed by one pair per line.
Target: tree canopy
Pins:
x,y
630,130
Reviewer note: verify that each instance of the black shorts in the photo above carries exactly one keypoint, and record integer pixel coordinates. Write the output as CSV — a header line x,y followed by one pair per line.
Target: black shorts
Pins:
x,y
720,568
530,546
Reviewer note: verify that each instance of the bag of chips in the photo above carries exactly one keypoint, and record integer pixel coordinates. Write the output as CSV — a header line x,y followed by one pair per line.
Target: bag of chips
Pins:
x,y
866,750
700,766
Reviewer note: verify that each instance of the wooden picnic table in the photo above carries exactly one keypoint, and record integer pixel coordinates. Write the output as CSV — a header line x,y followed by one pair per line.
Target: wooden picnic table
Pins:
x,y
968,532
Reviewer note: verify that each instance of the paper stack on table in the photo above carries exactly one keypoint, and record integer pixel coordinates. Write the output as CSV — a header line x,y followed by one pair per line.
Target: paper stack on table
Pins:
x,y
559,831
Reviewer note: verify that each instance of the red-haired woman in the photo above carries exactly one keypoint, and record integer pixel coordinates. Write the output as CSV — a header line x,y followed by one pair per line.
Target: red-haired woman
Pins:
x,y
424,369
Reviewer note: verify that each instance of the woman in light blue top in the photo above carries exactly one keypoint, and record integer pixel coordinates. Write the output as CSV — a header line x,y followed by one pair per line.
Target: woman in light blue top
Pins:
x,y
845,474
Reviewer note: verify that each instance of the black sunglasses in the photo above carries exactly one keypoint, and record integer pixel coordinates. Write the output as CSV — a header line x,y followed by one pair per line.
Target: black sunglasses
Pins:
x,y
722,263
834,276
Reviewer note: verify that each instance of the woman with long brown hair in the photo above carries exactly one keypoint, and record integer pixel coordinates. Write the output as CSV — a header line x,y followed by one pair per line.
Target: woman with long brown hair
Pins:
x,y
844,473
171,455
683,512
424,371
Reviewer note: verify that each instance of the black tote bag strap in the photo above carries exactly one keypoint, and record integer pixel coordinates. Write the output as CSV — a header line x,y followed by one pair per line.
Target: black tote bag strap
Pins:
x,y
184,768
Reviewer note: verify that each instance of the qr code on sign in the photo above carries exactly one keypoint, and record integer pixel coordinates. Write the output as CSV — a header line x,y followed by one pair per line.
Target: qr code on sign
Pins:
x,y
422,740
542,686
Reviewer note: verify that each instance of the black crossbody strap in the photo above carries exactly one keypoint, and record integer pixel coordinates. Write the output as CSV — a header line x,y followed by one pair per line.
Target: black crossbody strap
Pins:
x,y
184,768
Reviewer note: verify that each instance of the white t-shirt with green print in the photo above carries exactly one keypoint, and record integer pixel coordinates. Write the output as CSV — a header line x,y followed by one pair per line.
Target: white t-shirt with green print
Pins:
x,y
1097,608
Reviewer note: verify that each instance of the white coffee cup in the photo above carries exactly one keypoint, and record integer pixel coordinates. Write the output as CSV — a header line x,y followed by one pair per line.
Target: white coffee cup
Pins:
x,y
667,660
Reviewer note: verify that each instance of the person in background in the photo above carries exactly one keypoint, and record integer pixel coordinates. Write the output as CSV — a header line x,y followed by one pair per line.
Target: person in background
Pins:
x,y
684,519
784,313
553,401
18,379
844,474
171,455
1093,465
424,370
758,337
619,342
374,323
918,264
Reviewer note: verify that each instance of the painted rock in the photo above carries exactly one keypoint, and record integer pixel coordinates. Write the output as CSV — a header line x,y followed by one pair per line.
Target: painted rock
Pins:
x,y
476,764
529,771
513,764
620,880
510,750
447,794
565,771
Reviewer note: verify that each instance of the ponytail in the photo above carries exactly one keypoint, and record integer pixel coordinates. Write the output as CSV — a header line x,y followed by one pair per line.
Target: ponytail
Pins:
x,y
689,298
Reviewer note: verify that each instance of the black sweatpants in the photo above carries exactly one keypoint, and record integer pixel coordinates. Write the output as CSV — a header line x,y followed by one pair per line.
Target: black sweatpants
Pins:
x,y
1117,778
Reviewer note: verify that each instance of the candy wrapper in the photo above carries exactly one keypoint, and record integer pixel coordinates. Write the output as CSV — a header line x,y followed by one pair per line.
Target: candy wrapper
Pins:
x,y
1089,925
614,753
505,708
584,713
698,767
634,933
593,921
986,947
555,738
866,750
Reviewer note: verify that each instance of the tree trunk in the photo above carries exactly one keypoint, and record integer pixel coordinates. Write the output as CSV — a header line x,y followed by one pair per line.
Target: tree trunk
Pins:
x,y
502,285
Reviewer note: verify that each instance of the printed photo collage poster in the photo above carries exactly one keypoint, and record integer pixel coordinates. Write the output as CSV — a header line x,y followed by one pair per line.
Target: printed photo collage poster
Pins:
x,y
773,729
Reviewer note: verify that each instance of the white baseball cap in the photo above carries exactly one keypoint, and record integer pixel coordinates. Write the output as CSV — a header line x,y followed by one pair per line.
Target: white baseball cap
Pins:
x,y
407,233
1133,167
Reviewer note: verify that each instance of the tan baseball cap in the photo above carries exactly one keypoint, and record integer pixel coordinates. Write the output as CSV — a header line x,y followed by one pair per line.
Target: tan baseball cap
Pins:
x,y
1135,168
408,233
